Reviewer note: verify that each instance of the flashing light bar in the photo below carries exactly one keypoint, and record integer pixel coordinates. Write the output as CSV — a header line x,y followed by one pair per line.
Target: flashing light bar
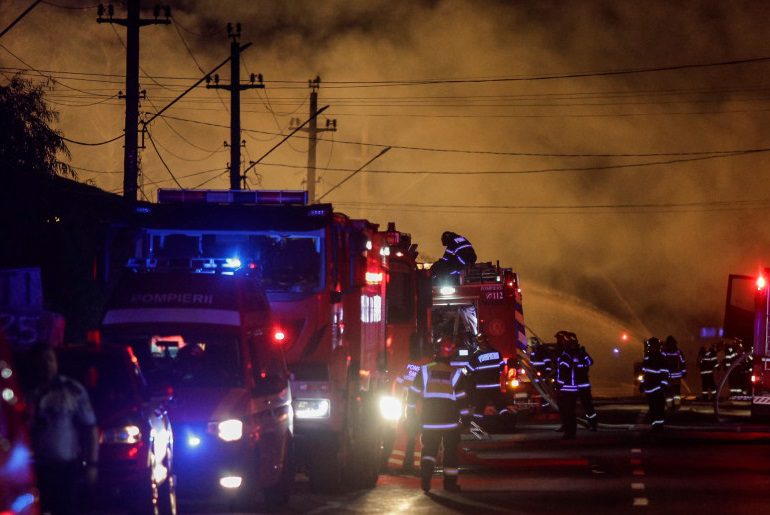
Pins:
x,y
761,282
264,197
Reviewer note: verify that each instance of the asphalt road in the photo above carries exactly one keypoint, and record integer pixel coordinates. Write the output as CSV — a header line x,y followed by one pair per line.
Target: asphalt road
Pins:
x,y
697,465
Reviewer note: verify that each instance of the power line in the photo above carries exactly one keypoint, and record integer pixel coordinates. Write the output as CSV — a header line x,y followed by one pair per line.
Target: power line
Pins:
x,y
149,135
714,153
75,142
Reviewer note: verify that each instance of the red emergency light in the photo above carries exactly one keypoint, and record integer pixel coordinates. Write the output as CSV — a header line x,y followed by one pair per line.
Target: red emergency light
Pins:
x,y
279,335
761,282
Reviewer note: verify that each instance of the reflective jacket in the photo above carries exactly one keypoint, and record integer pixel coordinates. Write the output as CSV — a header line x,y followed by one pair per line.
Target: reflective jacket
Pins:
x,y
484,368
655,372
541,360
441,390
708,361
572,370
675,363
458,254
731,354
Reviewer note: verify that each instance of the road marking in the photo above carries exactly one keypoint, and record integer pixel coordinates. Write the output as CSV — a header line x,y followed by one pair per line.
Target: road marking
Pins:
x,y
641,501
637,486
636,451
638,472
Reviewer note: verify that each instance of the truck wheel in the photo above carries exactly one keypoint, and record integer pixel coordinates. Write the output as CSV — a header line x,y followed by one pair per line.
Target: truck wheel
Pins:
x,y
366,445
325,466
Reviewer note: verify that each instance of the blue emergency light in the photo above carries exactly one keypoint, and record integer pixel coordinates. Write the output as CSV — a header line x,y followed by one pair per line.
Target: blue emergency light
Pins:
x,y
260,197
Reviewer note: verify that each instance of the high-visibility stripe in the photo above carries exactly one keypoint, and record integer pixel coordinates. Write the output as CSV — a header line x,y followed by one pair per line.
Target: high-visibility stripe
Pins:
x,y
172,315
440,426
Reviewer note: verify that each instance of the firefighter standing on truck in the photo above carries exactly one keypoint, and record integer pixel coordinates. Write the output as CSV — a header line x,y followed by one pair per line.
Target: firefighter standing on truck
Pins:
x,y
441,390
458,254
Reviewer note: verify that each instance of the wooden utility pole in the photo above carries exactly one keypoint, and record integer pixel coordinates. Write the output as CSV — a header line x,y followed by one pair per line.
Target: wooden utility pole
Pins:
x,y
313,130
235,87
132,22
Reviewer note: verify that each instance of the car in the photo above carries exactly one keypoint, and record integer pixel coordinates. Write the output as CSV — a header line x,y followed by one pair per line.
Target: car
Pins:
x,y
135,435
18,493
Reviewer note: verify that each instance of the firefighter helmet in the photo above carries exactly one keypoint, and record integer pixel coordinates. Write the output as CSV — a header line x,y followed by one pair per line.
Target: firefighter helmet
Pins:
x,y
652,344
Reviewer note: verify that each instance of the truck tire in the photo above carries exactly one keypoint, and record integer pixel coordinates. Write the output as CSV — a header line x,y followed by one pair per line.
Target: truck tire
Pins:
x,y
366,447
325,465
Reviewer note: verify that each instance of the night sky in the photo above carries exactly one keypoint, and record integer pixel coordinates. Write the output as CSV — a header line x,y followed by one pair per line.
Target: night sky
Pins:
x,y
614,151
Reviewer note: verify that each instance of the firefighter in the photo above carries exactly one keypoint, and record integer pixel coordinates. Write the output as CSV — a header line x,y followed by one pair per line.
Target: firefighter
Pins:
x,y
655,382
584,383
708,363
441,391
567,383
746,368
412,423
540,359
732,351
458,254
677,369
484,369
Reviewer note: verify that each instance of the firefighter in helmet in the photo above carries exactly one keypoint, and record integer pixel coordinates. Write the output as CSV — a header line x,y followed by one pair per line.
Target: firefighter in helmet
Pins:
x,y
458,254
708,363
441,390
484,369
677,369
655,381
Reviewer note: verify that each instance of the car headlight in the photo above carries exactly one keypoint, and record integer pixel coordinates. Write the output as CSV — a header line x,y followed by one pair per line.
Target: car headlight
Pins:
x,y
312,408
230,430
129,434
390,408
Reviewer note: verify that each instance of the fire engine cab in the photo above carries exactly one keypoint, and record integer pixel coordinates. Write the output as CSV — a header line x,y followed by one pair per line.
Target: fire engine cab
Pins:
x,y
207,342
325,276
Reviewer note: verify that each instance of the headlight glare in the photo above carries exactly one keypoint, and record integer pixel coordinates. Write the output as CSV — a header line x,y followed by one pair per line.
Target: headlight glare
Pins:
x,y
390,408
230,430
312,408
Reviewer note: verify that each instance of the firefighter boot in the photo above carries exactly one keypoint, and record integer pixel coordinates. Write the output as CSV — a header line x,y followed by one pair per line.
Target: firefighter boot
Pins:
x,y
426,472
450,484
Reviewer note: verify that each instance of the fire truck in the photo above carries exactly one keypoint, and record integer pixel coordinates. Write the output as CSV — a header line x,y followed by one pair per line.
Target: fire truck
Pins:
x,y
495,295
747,316
325,275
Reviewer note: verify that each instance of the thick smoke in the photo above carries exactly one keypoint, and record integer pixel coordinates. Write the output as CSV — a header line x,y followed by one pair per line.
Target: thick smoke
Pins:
x,y
664,264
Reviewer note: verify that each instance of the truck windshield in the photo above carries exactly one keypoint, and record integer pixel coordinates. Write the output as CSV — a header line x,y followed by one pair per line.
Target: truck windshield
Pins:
x,y
286,262
187,359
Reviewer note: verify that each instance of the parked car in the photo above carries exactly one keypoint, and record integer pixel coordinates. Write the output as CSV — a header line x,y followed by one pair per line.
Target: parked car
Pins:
x,y
18,494
135,437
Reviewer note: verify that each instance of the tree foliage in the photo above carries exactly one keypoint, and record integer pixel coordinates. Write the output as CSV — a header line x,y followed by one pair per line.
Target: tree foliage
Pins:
x,y
29,144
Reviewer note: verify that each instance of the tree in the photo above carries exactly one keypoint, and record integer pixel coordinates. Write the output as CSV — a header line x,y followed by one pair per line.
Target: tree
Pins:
x,y
29,144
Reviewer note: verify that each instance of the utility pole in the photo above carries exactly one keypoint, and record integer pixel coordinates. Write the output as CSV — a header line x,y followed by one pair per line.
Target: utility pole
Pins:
x,y
235,87
313,130
132,22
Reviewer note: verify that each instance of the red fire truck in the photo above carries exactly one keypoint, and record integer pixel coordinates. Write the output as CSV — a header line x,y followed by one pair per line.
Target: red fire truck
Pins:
x,y
495,295
747,316
325,276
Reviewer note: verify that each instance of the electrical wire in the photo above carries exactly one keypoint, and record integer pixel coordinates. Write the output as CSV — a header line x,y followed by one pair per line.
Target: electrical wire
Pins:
x,y
88,144
149,135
